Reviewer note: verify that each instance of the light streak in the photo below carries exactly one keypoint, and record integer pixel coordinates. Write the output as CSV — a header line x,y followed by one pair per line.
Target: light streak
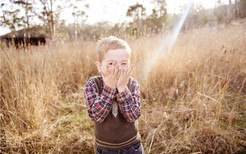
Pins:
x,y
167,43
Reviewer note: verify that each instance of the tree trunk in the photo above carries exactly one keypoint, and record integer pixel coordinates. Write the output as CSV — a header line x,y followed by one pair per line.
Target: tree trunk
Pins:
x,y
236,9
242,8
229,12
52,24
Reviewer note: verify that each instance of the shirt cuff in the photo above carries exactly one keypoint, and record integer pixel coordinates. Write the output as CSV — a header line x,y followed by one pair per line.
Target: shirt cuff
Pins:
x,y
122,97
108,91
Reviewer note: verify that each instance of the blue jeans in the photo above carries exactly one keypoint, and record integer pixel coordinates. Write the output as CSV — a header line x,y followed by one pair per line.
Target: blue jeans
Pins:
x,y
134,149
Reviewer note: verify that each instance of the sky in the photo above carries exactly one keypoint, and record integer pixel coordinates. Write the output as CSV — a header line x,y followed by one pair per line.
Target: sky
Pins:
x,y
115,10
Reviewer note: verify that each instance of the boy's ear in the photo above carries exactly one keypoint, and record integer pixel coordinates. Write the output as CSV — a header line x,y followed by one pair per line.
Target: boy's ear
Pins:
x,y
98,66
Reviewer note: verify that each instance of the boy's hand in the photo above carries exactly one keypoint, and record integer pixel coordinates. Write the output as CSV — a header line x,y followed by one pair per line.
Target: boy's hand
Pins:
x,y
124,76
111,79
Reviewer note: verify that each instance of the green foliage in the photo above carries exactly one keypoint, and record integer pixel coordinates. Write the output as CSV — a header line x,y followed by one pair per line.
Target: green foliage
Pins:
x,y
136,11
10,19
13,19
147,24
141,23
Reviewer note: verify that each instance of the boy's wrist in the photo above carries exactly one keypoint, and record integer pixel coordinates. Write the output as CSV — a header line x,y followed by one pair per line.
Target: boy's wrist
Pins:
x,y
121,89
113,87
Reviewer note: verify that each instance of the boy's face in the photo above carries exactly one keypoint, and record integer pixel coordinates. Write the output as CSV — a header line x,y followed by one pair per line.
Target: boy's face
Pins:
x,y
112,59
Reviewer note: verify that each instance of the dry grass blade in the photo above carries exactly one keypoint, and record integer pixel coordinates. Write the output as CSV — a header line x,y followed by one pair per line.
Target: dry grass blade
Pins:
x,y
193,101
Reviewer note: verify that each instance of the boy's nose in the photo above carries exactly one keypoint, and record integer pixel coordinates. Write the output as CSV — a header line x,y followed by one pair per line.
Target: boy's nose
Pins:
x,y
119,66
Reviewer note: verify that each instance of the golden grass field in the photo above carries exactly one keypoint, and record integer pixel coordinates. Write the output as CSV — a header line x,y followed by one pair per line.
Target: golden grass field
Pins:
x,y
193,100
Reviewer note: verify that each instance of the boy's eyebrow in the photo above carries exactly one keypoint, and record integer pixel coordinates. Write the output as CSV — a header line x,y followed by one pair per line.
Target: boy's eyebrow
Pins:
x,y
114,60
109,60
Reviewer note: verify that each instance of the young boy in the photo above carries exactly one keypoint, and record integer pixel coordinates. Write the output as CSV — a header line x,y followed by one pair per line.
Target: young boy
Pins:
x,y
113,100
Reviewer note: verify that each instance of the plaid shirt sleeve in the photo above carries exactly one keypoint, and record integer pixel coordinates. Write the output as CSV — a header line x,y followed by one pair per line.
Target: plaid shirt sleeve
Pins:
x,y
98,106
129,102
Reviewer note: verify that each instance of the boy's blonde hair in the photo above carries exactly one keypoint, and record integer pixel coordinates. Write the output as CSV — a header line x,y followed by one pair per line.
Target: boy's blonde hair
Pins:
x,y
111,43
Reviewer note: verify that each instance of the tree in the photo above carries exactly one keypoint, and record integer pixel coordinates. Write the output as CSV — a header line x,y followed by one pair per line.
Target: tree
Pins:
x,y
242,8
79,17
156,21
158,17
29,12
13,19
137,12
160,8
47,16
26,18
236,9
10,18
229,12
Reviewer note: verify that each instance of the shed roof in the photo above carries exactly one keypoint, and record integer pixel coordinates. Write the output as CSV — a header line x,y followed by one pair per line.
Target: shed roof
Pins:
x,y
33,32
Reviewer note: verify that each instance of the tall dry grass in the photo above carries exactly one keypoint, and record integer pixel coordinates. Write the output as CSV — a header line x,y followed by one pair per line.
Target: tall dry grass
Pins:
x,y
193,100
196,95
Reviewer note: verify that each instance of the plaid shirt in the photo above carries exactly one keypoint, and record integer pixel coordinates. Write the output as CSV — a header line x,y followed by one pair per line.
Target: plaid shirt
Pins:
x,y
100,105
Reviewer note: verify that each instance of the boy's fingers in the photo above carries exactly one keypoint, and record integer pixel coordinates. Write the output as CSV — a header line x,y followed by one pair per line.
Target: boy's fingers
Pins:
x,y
108,68
112,71
129,75
119,72
116,72
129,69
124,70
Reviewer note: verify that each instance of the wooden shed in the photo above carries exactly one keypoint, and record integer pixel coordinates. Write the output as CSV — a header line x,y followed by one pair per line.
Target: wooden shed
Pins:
x,y
26,37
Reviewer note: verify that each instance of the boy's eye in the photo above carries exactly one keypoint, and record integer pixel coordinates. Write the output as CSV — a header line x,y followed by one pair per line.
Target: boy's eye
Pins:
x,y
110,63
124,64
